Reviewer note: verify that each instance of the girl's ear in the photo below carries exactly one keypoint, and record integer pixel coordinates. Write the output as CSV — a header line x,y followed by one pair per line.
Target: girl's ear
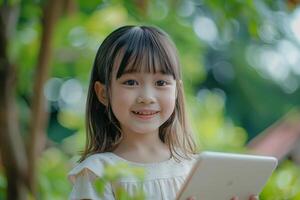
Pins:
x,y
100,92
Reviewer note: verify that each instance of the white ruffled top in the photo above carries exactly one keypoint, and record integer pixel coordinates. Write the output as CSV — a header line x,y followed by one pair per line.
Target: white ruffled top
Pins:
x,y
162,180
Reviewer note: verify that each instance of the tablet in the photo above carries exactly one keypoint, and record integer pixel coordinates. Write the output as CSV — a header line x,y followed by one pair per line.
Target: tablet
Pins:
x,y
220,176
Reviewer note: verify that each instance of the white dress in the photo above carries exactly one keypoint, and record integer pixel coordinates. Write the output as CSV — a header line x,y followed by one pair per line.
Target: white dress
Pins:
x,y
162,180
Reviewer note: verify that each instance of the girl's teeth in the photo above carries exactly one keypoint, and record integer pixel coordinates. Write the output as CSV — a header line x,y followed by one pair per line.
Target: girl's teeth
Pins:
x,y
144,113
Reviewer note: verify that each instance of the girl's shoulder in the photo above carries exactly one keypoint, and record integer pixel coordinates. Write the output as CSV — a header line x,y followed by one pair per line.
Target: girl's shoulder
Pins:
x,y
93,166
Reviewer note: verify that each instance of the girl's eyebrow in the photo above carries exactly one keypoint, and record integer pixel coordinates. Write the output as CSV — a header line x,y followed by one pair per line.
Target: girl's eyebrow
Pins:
x,y
136,72
128,72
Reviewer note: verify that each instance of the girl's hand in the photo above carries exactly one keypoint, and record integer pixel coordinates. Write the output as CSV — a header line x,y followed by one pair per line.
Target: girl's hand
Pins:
x,y
191,198
252,197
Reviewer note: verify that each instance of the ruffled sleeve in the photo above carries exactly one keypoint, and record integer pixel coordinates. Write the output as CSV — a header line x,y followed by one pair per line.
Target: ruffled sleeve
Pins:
x,y
83,176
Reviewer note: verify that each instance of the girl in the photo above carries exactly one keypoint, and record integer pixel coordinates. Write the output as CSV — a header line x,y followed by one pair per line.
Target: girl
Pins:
x,y
135,114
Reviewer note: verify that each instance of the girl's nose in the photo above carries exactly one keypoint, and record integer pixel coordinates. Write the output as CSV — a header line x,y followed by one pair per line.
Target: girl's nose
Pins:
x,y
145,100
146,94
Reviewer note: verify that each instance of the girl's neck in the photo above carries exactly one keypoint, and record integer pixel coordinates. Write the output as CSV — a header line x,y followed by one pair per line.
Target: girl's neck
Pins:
x,y
143,148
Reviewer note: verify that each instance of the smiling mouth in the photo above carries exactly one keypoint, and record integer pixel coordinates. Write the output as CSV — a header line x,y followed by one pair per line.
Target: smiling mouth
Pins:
x,y
145,115
148,113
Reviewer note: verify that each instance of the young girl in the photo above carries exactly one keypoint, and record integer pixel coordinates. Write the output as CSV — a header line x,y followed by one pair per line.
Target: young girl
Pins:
x,y
135,114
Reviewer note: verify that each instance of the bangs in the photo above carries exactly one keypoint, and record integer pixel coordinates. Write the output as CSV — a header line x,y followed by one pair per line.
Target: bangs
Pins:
x,y
146,51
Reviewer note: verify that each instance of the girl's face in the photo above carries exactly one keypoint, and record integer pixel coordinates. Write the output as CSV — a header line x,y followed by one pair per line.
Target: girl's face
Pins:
x,y
142,102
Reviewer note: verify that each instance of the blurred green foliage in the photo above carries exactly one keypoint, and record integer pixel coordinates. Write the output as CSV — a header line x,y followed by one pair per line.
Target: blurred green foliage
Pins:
x,y
3,184
284,184
52,172
230,98
114,173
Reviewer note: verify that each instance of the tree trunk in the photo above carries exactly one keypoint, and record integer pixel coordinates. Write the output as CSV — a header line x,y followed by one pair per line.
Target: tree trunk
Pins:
x,y
70,7
11,144
39,116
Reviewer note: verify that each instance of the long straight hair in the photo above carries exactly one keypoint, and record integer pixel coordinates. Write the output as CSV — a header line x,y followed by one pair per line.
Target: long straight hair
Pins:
x,y
135,49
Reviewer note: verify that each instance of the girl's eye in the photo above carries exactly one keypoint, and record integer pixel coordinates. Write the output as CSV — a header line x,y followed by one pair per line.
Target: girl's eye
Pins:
x,y
130,82
161,83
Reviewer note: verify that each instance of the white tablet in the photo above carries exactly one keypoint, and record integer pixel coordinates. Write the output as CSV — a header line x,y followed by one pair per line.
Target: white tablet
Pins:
x,y
220,176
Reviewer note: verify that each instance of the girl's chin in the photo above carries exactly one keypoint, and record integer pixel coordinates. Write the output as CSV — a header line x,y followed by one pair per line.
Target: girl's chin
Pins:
x,y
145,131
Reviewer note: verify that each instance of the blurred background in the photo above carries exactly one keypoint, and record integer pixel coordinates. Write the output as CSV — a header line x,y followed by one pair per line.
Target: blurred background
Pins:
x,y
241,73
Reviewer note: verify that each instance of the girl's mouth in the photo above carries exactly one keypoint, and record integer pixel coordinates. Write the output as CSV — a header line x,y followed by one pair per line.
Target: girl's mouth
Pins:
x,y
145,114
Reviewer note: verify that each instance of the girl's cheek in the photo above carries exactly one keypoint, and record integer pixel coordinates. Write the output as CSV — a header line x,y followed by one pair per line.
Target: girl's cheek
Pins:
x,y
123,96
169,99
170,95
